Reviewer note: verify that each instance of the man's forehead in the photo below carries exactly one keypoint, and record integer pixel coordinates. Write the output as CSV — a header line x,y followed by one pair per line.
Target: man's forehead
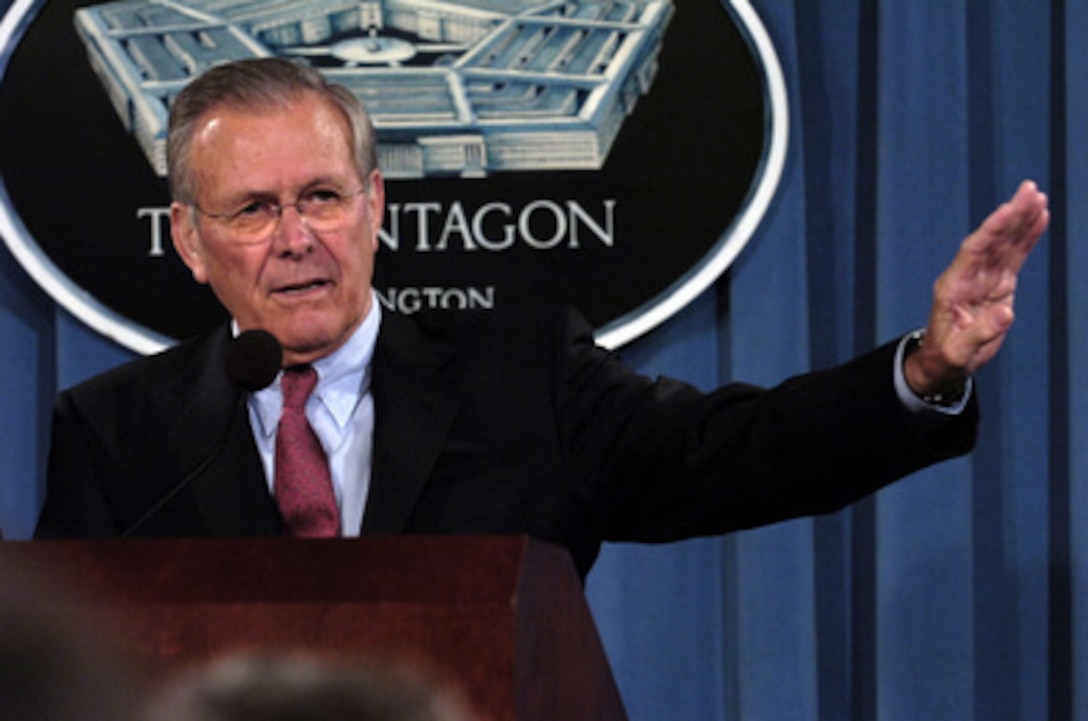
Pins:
x,y
230,123
240,151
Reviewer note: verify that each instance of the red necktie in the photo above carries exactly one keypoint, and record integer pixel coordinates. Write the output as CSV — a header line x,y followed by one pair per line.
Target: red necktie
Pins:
x,y
303,486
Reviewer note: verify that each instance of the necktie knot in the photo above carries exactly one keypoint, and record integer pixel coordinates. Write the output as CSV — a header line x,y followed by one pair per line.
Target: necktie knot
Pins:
x,y
297,384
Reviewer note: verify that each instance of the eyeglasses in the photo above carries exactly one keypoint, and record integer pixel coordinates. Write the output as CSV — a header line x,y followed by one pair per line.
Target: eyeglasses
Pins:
x,y
322,209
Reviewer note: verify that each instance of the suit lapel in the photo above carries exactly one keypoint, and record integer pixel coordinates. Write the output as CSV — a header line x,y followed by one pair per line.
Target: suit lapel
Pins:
x,y
414,405
230,492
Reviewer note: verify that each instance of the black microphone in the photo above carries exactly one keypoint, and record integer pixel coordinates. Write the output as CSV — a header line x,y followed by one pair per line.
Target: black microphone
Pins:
x,y
252,361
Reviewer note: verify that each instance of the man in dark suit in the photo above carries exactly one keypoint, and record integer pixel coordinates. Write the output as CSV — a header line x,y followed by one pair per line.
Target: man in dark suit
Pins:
x,y
499,422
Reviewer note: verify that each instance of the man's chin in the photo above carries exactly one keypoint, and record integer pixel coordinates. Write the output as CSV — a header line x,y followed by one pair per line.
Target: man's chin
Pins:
x,y
306,347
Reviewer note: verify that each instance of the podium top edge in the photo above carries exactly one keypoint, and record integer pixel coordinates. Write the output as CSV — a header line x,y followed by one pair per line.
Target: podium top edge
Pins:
x,y
421,569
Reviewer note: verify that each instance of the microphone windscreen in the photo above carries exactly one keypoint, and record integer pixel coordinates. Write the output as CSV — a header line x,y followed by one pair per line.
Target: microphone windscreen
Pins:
x,y
253,359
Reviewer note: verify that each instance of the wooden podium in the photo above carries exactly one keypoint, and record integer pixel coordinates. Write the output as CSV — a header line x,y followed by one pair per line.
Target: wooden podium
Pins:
x,y
505,618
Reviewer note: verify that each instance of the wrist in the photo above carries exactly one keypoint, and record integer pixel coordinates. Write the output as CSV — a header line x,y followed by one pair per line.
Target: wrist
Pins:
x,y
946,392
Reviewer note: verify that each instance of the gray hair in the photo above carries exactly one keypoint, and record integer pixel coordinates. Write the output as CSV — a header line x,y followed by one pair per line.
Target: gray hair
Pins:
x,y
297,686
260,84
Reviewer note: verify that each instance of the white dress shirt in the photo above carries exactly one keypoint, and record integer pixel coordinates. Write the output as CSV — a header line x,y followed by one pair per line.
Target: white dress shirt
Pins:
x,y
341,412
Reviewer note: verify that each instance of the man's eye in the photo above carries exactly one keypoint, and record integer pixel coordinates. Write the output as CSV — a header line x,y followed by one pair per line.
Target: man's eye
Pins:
x,y
322,197
256,208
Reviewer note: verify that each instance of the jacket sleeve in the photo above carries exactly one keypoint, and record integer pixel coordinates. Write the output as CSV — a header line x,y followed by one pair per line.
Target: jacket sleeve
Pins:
x,y
659,460
75,504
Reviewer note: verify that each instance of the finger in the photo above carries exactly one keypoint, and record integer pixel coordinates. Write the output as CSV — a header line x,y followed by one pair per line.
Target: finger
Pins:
x,y
983,325
1022,217
973,339
1008,235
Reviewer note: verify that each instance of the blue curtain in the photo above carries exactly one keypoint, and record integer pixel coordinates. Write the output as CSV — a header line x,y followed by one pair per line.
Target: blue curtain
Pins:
x,y
955,594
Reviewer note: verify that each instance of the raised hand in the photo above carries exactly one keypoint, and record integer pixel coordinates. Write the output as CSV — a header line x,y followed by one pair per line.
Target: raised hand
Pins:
x,y
973,298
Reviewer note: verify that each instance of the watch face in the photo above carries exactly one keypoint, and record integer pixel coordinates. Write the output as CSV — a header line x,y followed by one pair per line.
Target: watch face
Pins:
x,y
613,156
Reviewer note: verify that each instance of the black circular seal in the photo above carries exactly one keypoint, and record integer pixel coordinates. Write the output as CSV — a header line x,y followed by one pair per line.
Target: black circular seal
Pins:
x,y
685,147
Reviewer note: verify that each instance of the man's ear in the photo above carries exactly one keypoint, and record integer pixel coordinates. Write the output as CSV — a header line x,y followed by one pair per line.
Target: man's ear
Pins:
x,y
375,199
187,241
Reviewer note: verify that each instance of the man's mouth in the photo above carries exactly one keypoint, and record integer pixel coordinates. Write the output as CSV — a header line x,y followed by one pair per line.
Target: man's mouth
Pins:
x,y
299,288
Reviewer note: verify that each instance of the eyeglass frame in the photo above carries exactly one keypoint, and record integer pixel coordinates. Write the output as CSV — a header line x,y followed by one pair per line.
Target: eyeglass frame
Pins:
x,y
277,208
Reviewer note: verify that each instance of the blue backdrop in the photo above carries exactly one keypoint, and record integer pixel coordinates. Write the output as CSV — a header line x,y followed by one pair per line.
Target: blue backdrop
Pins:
x,y
957,593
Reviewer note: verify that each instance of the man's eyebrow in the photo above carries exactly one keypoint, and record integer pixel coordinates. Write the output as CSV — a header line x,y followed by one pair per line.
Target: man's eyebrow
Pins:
x,y
253,194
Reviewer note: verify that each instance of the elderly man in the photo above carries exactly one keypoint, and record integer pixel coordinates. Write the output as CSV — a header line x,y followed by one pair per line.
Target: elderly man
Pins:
x,y
508,421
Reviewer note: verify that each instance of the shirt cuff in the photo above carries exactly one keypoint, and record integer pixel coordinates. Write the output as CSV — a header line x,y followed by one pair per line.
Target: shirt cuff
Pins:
x,y
911,400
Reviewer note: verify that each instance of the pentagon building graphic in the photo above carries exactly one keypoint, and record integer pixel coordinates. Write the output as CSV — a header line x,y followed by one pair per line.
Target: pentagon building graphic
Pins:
x,y
461,88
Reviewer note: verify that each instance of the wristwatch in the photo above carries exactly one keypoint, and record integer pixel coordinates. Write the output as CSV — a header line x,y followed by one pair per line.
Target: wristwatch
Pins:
x,y
945,399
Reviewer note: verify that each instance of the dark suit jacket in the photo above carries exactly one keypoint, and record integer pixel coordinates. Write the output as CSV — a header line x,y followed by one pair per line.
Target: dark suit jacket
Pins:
x,y
506,421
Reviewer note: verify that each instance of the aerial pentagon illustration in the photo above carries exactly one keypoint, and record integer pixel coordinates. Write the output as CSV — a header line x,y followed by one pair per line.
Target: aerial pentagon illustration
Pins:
x,y
462,88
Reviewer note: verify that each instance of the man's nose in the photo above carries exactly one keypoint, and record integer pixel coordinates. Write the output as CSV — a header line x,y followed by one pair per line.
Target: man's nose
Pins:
x,y
292,234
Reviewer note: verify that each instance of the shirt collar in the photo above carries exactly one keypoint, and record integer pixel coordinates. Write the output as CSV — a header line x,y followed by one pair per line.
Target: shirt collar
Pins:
x,y
343,377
